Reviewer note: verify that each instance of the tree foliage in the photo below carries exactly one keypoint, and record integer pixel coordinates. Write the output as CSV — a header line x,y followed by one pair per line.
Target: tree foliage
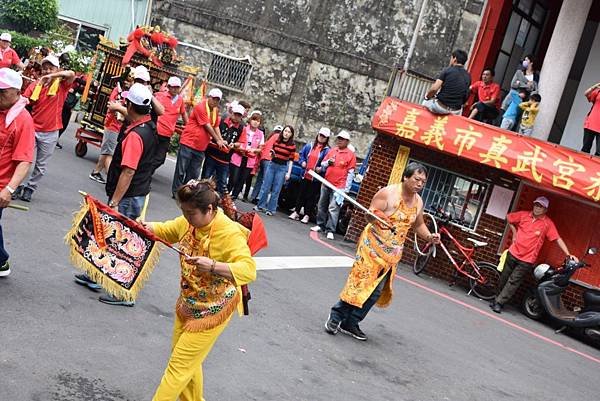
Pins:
x,y
29,15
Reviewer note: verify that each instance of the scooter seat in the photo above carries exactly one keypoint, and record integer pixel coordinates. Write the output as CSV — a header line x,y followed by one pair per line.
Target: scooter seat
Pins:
x,y
591,298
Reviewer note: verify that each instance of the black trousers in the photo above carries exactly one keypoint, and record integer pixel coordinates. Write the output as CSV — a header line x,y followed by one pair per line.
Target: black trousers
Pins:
x,y
161,151
588,140
66,118
512,276
308,197
237,178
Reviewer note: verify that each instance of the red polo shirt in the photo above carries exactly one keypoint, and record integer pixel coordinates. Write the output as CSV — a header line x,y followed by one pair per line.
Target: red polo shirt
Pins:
x,y
592,121
345,160
18,141
133,145
110,121
531,233
486,92
194,134
47,110
8,58
166,123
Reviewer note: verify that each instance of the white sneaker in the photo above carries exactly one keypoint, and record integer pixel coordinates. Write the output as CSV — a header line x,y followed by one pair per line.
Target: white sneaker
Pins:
x,y
329,235
305,219
294,216
315,229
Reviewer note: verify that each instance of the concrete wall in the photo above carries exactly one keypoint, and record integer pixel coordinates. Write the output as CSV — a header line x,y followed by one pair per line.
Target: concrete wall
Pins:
x,y
572,136
321,63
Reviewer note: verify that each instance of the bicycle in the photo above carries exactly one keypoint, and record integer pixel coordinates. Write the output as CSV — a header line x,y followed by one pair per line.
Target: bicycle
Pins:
x,y
483,276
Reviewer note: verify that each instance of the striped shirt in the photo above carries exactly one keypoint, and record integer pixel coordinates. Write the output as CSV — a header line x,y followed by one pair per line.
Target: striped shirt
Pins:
x,y
283,152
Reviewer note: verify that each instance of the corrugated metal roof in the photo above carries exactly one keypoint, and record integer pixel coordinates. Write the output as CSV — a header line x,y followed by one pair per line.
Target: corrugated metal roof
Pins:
x,y
112,14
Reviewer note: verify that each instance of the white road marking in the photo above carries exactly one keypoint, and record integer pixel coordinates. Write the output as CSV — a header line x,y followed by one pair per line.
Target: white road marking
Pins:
x,y
171,159
301,262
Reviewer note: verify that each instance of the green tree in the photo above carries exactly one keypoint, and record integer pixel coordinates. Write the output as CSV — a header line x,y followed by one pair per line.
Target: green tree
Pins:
x,y
29,15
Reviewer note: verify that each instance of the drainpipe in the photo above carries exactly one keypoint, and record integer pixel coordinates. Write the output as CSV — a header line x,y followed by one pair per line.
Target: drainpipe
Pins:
x,y
132,15
413,41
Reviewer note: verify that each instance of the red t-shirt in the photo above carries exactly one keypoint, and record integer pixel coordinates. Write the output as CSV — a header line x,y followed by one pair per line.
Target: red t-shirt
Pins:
x,y
17,143
311,162
133,145
337,173
487,92
165,126
47,110
592,122
531,233
194,134
265,153
8,58
110,121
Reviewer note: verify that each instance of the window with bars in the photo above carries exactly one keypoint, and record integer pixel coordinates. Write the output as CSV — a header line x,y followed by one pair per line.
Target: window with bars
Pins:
x,y
229,72
460,196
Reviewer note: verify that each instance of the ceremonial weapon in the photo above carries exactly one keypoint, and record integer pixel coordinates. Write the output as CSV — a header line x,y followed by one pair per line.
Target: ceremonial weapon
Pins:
x,y
349,199
18,207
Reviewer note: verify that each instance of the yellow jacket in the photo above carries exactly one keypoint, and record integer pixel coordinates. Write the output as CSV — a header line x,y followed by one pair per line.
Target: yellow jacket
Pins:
x,y
228,244
530,110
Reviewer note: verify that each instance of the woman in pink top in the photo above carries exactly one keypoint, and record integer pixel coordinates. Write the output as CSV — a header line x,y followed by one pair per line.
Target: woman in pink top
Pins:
x,y
246,156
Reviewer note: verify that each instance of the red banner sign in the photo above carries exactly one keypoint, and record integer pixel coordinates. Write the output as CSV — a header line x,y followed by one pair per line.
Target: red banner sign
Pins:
x,y
542,162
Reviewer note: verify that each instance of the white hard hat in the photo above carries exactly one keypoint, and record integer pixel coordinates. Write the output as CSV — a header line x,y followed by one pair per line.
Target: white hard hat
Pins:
x,y
6,36
344,135
238,108
52,59
9,78
141,72
215,92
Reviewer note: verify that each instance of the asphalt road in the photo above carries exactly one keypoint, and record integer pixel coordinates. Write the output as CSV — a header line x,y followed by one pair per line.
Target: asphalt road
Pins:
x,y
59,343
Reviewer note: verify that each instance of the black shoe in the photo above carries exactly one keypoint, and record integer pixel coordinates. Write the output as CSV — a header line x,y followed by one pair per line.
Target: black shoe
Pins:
x,y
27,193
18,193
353,331
110,300
255,201
5,269
492,303
497,307
97,176
58,145
83,279
332,326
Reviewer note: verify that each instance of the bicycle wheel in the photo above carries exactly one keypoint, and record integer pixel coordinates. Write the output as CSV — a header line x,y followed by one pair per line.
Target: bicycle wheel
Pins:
x,y
423,247
490,274
422,260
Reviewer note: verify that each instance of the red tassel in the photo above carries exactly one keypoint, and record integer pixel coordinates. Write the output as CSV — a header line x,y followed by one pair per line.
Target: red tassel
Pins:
x,y
157,38
138,33
172,42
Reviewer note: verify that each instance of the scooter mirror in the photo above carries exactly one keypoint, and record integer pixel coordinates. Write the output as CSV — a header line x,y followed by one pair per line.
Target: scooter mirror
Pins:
x,y
592,251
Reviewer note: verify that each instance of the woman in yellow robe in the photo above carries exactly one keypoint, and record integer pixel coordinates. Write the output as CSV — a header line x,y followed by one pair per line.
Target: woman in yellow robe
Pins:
x,y
218,263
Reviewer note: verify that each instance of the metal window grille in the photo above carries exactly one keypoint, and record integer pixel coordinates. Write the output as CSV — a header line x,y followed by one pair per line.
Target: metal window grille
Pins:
x,y
229,72
460,196
409,86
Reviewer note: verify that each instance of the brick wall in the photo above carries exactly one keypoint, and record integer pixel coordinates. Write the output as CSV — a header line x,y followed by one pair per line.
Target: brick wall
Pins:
x,y
489,228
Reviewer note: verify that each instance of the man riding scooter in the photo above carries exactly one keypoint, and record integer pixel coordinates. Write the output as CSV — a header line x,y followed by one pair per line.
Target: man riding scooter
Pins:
x,y
529,231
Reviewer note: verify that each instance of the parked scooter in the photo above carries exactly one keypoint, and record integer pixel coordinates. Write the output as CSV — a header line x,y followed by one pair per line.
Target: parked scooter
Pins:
x,y
546,299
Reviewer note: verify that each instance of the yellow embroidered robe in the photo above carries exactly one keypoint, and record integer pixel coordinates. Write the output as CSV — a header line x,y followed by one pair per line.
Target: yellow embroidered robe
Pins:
x,y
378,252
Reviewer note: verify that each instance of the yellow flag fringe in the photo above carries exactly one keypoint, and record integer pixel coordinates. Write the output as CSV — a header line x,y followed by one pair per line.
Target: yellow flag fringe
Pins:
x,y
92,271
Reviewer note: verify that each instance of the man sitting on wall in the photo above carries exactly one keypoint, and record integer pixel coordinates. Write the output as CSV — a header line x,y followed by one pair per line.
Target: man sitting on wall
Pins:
x,y
488,97
450,91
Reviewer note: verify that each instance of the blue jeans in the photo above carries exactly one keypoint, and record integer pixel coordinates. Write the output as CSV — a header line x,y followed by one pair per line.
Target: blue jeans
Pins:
x,y
188,166
3,253
218,170
351,315
259,179
132,207
273,181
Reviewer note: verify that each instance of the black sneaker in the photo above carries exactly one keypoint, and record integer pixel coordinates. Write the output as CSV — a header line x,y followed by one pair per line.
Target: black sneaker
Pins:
x,y
332,326
27,193
83,279
497,308
18,193
5,269
353,331
109,299
97,176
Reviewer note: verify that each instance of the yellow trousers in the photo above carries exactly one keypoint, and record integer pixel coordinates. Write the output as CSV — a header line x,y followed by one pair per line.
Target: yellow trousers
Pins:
x,y
183,375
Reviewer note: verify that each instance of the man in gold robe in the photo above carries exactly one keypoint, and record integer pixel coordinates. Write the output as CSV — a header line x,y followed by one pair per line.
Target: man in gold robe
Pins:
x,y
379,251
